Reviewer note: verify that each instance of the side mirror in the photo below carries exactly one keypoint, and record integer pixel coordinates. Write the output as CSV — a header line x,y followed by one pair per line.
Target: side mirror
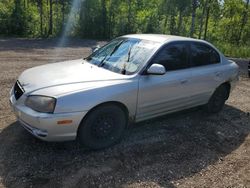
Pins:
x,y
95,48
156,69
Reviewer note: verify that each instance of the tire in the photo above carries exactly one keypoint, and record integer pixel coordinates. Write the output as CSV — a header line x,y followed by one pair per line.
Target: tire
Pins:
x,y
217,100
103,127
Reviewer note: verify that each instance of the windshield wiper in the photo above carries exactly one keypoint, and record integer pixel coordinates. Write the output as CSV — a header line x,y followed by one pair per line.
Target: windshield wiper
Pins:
x,y
129,53
112,52
123,71
87,58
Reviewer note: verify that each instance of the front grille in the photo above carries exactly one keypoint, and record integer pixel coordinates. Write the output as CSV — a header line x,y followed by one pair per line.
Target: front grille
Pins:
x,y
18,90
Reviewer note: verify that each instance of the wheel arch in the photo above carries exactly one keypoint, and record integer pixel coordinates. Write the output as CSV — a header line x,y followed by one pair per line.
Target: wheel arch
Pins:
x,y
116,103
227,85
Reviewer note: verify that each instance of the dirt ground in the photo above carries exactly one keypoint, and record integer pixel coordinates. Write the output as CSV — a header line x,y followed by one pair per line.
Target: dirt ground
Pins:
x,y
185,149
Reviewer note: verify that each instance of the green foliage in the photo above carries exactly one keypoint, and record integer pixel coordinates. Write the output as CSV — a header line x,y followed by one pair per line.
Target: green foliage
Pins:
x,y
223,22
231,50
5,14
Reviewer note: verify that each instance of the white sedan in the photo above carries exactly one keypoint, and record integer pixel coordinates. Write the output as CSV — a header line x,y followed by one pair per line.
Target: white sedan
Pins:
x,y
130,79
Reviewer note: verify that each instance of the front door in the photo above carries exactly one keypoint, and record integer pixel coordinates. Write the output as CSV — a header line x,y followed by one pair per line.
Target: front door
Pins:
x,y
161,94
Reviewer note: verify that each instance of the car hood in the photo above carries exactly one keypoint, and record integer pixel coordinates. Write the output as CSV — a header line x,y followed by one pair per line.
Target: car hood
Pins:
x,y
65,73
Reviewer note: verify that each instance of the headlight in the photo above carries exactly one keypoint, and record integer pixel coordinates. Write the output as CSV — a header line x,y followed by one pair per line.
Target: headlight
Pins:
x,y
41,103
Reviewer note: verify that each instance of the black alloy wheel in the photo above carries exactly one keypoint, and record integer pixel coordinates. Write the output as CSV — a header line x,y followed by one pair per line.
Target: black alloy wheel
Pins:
x,y
103,127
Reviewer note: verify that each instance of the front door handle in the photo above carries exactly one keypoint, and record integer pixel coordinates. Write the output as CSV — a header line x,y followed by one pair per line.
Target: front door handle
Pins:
x,y
184,81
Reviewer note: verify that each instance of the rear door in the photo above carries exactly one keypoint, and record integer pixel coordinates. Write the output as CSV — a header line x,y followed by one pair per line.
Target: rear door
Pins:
x,y
160,94
207,71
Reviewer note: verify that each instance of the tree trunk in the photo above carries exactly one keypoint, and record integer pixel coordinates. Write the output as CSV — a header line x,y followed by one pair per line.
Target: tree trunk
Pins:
x,y
194,6
104,19
244,21
165,24
40,5
180,22
172,24
50,18
110,19
206,24
57,17
63,13
129,17
202,18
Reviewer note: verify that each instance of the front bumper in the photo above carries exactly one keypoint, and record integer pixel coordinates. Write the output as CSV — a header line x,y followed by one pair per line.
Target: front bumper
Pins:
x,y
45,126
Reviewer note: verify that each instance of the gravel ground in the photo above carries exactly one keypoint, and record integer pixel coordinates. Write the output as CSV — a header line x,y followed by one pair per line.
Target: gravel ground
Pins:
x,y
185,149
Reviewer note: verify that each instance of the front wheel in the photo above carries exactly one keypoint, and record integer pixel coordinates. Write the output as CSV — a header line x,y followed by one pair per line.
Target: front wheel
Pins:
x,y
103,127
217,100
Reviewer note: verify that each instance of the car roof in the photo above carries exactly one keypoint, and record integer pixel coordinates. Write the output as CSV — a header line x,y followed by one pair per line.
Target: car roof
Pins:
x,y
162,38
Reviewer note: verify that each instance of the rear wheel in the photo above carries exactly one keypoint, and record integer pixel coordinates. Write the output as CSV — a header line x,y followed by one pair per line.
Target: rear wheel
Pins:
x,y
217,100
103,127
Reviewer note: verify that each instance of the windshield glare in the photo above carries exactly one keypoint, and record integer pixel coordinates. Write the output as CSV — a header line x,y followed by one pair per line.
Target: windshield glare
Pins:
x,y
123,55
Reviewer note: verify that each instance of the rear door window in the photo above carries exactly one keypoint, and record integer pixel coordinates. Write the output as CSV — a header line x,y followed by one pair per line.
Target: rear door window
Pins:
x,y
202,54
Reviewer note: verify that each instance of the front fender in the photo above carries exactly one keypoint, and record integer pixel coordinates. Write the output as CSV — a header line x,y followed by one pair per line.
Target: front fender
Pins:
x,y
124,92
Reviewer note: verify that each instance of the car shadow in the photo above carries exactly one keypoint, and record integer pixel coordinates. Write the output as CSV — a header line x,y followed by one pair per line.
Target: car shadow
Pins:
x,y
157,151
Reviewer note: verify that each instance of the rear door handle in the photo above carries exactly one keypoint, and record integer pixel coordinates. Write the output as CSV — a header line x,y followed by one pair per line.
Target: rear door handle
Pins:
x,y
184,81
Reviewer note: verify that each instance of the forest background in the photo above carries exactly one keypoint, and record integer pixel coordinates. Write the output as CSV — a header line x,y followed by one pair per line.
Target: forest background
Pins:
x,y
225,23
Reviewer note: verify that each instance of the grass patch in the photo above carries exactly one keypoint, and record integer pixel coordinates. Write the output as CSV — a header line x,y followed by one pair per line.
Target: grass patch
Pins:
x,y
234,50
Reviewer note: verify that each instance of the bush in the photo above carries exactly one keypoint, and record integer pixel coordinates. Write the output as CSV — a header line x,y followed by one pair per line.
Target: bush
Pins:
x,y
230,50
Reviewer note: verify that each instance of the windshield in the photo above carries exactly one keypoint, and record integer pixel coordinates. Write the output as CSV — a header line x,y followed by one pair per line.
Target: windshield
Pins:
x,y
123,55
